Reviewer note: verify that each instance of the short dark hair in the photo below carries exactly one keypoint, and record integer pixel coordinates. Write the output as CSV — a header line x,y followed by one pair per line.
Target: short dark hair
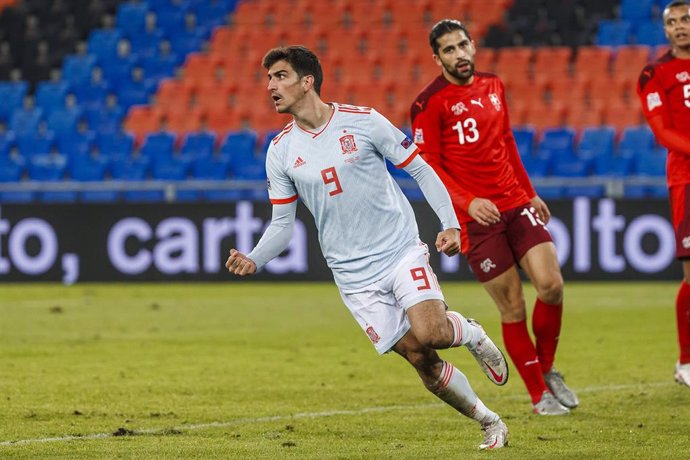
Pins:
x,y
445,26
300,58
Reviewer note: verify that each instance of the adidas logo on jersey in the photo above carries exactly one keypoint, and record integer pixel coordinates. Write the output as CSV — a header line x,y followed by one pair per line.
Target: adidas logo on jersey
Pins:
x,y
299,162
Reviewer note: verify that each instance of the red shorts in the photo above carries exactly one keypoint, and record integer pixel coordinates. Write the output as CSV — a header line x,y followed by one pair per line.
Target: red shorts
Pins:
x,y
492,250
679,195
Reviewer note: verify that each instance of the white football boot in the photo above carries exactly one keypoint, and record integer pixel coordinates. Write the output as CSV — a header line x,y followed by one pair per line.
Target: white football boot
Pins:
x,y
495,435
549,405
554,380
489,356
682,374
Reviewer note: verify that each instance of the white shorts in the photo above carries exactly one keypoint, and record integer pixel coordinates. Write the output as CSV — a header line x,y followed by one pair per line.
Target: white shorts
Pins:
x,y
380,308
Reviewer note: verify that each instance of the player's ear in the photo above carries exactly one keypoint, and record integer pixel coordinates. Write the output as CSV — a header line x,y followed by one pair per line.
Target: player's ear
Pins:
x,y
437,59
307,82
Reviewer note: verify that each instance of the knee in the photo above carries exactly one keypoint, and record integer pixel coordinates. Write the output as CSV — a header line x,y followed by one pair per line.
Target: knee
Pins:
x,y
551,291
436,339
513,311
425,361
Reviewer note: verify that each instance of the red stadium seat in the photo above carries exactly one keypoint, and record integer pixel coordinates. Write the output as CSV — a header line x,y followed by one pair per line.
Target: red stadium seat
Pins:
x,y
592,61
581,116
552,62
214,95
623,115
525,90
568,91
630,60
142,120
543,116
183,123
485,60
174,94
514,63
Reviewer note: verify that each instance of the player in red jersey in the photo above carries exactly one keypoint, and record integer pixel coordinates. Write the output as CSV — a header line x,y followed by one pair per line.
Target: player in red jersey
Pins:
x,y
664,90
460,122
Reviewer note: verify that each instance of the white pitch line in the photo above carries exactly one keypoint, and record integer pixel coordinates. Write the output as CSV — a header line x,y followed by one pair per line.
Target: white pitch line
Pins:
x,y
300,415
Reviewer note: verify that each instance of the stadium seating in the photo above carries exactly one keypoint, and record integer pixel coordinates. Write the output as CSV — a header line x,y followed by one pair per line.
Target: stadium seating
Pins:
x,y
191,68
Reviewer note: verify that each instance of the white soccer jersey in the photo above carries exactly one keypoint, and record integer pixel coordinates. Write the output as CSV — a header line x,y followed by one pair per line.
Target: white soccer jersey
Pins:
x,y
364,221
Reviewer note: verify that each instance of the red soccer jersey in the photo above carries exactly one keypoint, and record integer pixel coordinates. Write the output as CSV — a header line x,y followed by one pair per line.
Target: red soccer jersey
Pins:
x,y
464,133
664,90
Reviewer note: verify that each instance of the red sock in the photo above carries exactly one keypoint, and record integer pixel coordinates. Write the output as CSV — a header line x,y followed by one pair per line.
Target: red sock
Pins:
x,y
546,325
521,351
683,321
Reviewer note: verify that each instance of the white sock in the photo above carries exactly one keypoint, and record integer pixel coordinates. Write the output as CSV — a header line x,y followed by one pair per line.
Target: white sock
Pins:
x,y
453,388
462,330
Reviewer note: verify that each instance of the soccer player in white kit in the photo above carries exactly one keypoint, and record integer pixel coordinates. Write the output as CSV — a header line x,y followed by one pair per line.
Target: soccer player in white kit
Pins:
x,y
333,157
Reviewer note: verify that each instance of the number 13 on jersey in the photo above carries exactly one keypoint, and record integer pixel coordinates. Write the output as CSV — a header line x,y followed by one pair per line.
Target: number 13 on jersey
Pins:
x,y
467,131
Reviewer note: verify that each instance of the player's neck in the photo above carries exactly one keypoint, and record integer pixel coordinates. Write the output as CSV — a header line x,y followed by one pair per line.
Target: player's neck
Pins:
x,y
312,113
681,52
456,81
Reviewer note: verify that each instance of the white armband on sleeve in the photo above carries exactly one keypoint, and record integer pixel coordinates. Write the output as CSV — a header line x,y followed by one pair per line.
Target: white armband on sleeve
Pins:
x,y
277,236
434,191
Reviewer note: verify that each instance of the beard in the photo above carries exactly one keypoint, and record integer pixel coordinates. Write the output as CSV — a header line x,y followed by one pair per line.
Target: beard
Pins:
x,y
462,76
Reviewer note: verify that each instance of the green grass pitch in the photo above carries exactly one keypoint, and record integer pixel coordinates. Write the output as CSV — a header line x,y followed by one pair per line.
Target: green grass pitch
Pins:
x,y
254,370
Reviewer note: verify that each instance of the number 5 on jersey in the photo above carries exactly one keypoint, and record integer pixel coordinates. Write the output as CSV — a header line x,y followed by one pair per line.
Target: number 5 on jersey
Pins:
x,y
329,176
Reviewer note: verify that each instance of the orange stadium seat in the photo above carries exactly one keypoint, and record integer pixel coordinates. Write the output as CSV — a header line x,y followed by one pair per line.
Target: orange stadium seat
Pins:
x,y
592,61
183,123
622,115
552,62
543,116
582,116
251,14
514,63
212,95
485,60
142,120
568,91
607,90
630,60
442,9
174,94
405,15
221,121
199,67
518,112
527,91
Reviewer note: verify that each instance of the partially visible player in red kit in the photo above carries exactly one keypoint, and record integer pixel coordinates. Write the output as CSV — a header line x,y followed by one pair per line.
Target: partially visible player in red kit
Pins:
x,y
664,90
460,122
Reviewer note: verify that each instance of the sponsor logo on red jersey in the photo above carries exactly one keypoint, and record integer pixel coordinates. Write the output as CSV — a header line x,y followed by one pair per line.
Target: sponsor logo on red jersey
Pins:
x,y
653,101
495,101
683,76
459,108
418,136
347,143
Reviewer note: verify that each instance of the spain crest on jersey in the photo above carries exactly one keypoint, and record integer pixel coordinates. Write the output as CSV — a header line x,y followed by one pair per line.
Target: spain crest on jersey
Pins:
x,y
347,143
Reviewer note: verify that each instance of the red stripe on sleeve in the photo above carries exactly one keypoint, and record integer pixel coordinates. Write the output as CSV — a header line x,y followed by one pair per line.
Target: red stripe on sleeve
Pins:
x,y
409,159
283,200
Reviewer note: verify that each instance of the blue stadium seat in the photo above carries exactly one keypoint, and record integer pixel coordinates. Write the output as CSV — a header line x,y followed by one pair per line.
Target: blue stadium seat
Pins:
x,y
51,95
76,144
170,169
145,43
103,44
570,167
76,69
47,167
12,96
118,70
650,162
91,96
239,144
17,197
524,138
131,18
107,120
12,168
37,143
90,168
159,67
159,146
216,167
596,142
25,121
115,145
551,192
588,191
613,165
135,93
170,20
62,121
197,145
558,140
613,33
650,33
7,141
536,166
185,42
212,14
635,191
636,137
636,10
658,191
